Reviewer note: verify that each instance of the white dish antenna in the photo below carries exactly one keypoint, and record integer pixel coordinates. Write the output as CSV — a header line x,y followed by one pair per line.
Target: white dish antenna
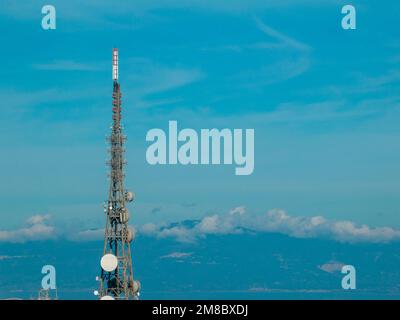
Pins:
x,y
109,262
129,196
130,235
136,286
107,298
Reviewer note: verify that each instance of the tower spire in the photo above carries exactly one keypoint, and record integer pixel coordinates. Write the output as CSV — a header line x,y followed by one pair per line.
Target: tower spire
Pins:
x,y
115,64
116,281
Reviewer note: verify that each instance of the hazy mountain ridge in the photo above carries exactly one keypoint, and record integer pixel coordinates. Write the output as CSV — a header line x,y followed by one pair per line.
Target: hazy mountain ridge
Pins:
x,y
274,266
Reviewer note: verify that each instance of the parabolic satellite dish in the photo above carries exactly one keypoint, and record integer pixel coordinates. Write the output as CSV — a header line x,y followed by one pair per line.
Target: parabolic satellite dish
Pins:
x,y
109,262
129,196
107,298
136,286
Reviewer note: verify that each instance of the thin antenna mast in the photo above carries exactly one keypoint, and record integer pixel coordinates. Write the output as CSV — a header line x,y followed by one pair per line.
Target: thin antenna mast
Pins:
x,y
116,281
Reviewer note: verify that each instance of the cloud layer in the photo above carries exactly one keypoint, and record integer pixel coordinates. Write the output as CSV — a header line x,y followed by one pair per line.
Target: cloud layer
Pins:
x,y
236,221
274,221
36,228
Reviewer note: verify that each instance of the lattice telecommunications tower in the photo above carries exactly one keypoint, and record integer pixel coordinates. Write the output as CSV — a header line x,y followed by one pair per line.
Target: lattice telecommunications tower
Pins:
x,y
116,281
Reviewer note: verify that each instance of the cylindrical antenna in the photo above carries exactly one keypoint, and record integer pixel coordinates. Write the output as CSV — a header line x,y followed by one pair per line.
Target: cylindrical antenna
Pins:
x,y
115,64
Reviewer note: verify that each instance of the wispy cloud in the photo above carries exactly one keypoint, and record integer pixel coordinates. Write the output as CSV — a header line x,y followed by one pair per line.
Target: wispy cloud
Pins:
x,y
362,85
331,266
87,235
150,77
278,71
13,257
318,111
97,11
283,41
177,255
276,41
66,65
288,58
147,78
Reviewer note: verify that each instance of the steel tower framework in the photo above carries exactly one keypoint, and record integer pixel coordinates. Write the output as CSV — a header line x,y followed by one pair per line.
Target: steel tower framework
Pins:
x,y
117,281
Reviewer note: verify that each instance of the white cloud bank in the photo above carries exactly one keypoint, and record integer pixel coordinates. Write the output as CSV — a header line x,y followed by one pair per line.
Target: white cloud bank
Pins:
x,y
36,228
236,221
274,221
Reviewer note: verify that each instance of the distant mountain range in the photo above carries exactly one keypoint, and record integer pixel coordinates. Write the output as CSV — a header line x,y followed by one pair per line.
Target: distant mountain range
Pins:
x,y
240,266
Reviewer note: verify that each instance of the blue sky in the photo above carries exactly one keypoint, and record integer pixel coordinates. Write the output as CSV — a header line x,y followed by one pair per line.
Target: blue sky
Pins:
x,y
324,103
